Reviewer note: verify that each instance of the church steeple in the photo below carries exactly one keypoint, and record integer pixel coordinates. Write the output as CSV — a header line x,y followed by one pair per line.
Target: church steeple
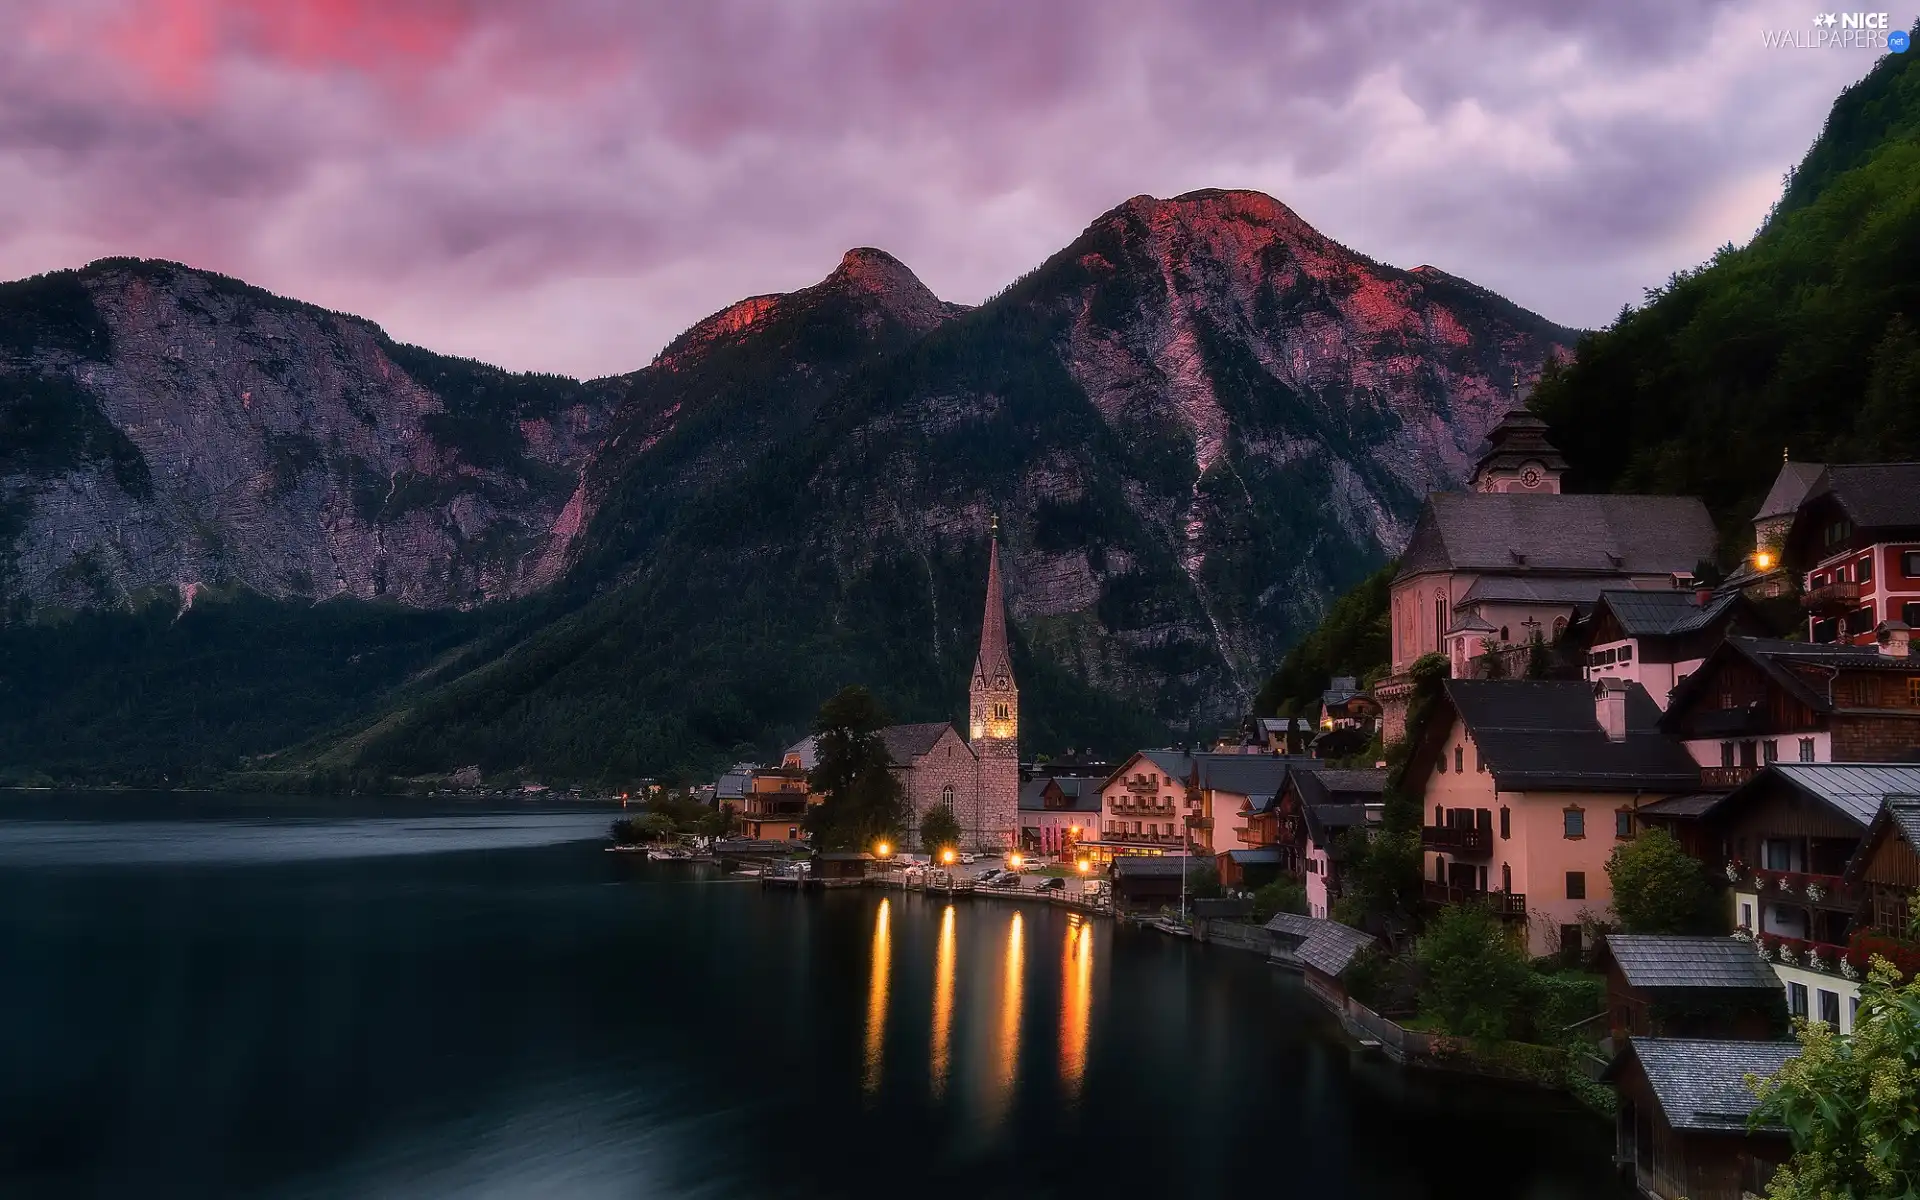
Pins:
x,y
994,708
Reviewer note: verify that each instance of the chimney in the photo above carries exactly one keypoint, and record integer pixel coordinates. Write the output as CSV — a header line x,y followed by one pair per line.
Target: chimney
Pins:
x,y
1610,707
1895,638
1702,596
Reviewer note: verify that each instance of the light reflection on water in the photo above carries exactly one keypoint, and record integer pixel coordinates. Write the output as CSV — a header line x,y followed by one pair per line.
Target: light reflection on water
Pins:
x,y
1076,1002
943,1004
285,839
877,996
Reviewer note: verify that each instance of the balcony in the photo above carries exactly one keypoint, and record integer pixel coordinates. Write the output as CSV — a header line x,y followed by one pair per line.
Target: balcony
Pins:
x,y
1510,906
1253,837
1833,599
1723,779
1796,887
1464,840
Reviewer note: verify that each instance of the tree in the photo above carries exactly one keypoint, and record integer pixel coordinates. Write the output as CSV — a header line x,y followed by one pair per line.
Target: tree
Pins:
x,y
939,829
1284,895
1476,977
854,772
1851,1105
1380,877
1659,888
1539,658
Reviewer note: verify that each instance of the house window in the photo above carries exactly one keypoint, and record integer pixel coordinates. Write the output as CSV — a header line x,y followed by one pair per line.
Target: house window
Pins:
x,y
1439,617
1506,823
1576,885
1840,573
1570,940
1772,748
1910,613
1913,689
1910,564
1503,633
1853,1012
1459,759
1749,754
1726,754
1479,767
1623,823
1829,1007
1863,573
1797,999
1506,877
946,797
1806,749
1746,916
1626,654
1439,816
1574,823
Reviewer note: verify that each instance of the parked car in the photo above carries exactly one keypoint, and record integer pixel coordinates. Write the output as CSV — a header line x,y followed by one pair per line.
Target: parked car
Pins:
x,y
1054,884
966,860
990,877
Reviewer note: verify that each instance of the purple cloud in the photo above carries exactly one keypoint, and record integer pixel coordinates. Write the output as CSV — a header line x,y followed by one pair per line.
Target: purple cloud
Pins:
x,y
565,185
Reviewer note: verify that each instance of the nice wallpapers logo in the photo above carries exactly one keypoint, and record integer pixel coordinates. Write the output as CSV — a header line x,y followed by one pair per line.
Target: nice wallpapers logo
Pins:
x,y
1841,31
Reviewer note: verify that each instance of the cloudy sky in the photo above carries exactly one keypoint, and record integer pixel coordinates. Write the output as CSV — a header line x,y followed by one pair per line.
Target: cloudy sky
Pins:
x,y
565,184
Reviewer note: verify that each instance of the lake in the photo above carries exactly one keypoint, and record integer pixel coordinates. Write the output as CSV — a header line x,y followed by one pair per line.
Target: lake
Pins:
x,y
219,996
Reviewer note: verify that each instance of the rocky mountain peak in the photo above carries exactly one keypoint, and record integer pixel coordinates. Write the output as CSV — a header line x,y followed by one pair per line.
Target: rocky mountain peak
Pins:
x,y
881,279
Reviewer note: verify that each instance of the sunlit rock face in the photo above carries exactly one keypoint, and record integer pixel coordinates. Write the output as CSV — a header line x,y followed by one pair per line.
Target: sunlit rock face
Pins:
x,y
177,429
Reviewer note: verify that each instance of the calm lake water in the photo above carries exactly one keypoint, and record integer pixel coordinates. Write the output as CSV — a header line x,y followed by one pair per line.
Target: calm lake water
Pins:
x,y
218,997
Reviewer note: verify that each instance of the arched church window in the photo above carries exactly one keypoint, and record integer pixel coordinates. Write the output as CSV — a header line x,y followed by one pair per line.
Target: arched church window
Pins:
x,y
946,797
1439,618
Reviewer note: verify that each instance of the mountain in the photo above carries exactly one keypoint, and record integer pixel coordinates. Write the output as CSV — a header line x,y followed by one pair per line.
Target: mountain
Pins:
x,y
166,428
1805,340
1196,423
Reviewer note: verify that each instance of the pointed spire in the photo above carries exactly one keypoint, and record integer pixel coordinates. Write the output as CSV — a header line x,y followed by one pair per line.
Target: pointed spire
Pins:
x,y
993,660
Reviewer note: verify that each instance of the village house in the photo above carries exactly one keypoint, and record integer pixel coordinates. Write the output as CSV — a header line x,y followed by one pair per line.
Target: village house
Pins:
x,y
1058,812
1885,871
1788,837
1764,572
1662,985
1683,1125
1528,786
1143,883
1348,717
1171,801
1856,537
1306,823
1756,701
1515,559
774,805
1658,638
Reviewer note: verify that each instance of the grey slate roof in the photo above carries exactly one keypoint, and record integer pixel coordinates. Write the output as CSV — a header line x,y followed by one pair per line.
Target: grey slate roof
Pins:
x,y
734,784
1033,795
1146,866
1512,533
1342,689
1248,774
1663,613
1899,815
1519,590
904,743
1325,822
1543,734
1904,811
1326,946
1083,794
808,749
1874,495
1651,960
1775,658
1701,1084
1255,855
1854,789
1341,786
1790,487
1692,804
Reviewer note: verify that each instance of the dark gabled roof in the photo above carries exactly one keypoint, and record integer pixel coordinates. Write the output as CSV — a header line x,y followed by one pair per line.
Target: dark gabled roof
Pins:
x,y
1700,1084
1341,786
1326,946
734,784
1325,822
1689,806
1144,866
1776,659
1854,790
1175,764
1342,689
1663,613
1898,816
1510,533
1082,793
1543,734
1873,495
1790,487
905,743
1033,795
1250,774
1651,960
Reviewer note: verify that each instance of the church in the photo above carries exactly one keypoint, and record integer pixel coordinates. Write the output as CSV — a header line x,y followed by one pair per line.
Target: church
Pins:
x,y
977,778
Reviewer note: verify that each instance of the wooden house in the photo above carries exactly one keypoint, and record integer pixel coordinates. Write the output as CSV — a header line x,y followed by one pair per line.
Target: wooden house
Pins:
x,y
1885,871
1677,986
1682,1128
840,868
1148,883
1322,949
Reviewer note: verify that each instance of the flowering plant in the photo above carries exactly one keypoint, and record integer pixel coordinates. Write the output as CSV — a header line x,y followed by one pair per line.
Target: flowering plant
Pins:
x,y
1735,870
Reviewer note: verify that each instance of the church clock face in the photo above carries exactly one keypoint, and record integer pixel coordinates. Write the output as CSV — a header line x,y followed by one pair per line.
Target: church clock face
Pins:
x,y
1000,683
1530,477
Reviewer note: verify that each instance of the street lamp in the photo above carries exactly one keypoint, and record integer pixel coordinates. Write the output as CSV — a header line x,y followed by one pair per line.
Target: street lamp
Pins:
x,y
1763,561
946,856
883,849
1014,860
1085,866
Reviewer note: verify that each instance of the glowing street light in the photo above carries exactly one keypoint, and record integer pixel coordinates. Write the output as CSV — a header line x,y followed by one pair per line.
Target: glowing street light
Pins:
x,y
1014,860
883,849
946,856
1763,561
1085,866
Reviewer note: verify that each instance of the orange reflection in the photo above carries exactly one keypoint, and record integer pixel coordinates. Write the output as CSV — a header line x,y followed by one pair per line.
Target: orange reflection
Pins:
x,y
1010,1006
1076,1001
877,997
943,1003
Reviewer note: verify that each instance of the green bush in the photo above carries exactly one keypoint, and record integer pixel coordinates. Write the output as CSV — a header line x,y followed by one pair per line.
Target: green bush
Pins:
x,y
1284,895
1475,976
1660,888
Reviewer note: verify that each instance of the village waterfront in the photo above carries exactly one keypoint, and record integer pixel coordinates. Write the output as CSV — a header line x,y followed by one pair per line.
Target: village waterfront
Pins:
x,y
219,995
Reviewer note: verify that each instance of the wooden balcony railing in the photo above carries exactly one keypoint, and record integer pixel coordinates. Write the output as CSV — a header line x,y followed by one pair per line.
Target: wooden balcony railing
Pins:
x,y
1506,905
1457,839
1726,778
1253,837
1833,598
